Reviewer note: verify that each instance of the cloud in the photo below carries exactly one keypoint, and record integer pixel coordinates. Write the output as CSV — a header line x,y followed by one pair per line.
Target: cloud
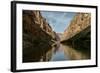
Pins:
x,y
58,20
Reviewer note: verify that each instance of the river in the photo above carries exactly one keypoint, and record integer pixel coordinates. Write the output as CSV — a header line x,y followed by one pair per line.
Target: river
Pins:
x,y
66,52
58,52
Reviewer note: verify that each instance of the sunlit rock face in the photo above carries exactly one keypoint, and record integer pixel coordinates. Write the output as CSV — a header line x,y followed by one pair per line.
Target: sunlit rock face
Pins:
x,y
79,31
36,32
79,23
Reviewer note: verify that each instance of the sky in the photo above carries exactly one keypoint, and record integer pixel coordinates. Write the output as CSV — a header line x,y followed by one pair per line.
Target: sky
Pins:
x,y
59,21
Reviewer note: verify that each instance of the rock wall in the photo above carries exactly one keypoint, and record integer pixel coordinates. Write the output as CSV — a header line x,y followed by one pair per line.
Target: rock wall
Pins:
x,y
34,18
37,33
80,22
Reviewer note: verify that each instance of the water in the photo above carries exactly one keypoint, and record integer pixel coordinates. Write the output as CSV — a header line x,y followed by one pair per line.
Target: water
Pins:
x,y
59,55
66,52
58,52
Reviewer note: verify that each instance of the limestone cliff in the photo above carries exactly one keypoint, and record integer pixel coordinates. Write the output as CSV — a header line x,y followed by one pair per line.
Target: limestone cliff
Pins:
x,y
36,33
79,23
79,31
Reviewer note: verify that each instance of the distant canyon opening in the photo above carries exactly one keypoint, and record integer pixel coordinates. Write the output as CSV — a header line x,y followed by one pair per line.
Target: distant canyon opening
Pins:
x,y
55,36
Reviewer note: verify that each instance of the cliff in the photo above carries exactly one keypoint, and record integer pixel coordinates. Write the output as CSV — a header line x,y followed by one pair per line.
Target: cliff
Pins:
x,y
79,23
36,32
79,30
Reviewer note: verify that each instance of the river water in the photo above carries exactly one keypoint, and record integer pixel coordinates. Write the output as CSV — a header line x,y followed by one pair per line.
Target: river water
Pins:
x,y
58,52
65,52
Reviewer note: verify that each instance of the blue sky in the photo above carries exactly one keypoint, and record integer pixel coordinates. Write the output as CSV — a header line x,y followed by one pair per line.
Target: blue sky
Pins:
x,y
59,21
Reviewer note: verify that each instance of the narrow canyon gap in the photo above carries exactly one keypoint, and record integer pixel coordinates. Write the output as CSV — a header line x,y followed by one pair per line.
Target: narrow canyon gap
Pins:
x,y
56,36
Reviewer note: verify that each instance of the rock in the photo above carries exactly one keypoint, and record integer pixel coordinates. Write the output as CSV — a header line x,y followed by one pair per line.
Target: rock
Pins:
x,y
79,30
36,32
80,22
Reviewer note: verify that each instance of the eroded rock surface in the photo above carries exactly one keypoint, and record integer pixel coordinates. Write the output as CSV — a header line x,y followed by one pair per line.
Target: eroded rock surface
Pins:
x,y
79,30
36,33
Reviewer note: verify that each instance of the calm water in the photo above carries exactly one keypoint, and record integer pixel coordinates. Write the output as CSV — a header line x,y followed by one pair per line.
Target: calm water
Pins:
x,y
58,52
65,52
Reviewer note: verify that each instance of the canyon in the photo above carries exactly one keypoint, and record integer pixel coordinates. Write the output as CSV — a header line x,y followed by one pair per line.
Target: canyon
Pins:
x,y
38,34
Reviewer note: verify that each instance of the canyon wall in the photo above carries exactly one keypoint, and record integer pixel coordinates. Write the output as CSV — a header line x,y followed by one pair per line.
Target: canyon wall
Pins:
x,y
80,22
79,30
37,33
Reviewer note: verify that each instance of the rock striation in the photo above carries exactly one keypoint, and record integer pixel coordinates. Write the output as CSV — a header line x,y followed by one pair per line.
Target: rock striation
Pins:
x,y
36,32
79,30
80,22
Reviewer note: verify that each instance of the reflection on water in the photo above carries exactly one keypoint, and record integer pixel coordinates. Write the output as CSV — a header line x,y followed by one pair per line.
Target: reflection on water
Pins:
x,y
75,54
59,55
58,52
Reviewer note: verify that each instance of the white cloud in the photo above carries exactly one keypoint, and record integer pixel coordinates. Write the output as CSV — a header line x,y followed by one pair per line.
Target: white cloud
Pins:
x,y
58,20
